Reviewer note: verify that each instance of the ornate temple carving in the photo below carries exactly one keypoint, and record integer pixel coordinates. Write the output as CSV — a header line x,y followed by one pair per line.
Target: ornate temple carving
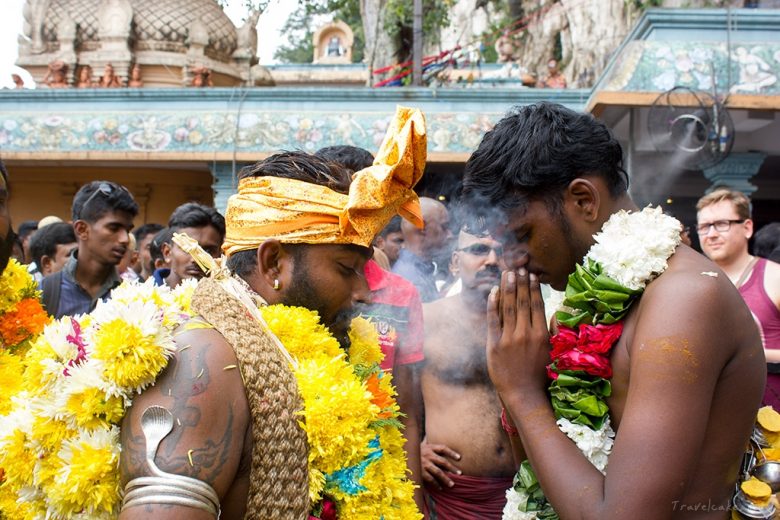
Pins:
x,y
165,38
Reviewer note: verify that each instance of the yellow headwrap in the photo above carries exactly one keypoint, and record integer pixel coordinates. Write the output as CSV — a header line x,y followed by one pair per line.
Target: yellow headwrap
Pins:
x,y
293,211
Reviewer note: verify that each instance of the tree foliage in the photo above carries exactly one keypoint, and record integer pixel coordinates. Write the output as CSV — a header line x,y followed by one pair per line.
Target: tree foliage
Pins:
x,y
260,5
399,21
398,24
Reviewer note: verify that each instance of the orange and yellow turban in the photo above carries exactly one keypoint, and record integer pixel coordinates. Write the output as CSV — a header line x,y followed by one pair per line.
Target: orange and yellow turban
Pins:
x,y
295,212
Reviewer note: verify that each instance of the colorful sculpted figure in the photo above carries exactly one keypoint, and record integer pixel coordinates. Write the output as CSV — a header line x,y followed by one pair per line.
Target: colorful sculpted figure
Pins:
x,y
135,80
85,77
109,79
57,75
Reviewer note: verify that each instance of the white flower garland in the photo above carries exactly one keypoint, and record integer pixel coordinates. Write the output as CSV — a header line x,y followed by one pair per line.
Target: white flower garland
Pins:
x,y
632,249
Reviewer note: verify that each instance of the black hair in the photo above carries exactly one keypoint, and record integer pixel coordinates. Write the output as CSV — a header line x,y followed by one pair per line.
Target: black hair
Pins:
x,y
164,236
300,166
536,151
243,263
767,240
26,228
94,200
3,172
194,215
44,242
394,226
151,228
348,156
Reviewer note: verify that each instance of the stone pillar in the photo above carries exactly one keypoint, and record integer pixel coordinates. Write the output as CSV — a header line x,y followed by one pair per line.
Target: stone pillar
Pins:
x,y
225,184
735,172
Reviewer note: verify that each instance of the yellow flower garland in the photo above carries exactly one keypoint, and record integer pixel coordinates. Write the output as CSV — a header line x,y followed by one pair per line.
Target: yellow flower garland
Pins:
x,y
59,445
356,456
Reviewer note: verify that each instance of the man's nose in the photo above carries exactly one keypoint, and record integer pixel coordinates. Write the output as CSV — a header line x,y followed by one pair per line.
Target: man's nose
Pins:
x,y
711,231
360,291
124,236
492,257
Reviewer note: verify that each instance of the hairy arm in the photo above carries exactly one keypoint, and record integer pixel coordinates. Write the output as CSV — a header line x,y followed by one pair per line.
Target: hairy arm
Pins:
x,y
211,418
674,367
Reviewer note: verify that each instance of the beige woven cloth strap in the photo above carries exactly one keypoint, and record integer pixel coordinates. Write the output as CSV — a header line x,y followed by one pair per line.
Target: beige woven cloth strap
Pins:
x,y
279,486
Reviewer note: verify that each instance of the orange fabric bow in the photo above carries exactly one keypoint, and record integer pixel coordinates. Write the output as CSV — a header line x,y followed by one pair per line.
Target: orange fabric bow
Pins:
x,y
294,211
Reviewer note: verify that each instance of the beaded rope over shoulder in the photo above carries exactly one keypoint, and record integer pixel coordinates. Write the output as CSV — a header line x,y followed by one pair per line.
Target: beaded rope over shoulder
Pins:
x,y
278,486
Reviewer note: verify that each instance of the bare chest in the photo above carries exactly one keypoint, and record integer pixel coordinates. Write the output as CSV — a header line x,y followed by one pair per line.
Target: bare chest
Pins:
x,y
457,356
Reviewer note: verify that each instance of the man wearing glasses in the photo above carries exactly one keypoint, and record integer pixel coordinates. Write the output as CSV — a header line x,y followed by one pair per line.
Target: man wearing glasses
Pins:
x,y
467,462
724,227
103,214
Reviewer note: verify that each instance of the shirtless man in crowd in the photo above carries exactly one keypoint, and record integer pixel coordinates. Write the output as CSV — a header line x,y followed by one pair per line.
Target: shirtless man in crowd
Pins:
x,y
466,456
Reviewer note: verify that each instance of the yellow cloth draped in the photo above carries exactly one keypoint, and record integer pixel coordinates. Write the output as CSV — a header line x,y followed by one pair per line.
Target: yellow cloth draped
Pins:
x,y
294,211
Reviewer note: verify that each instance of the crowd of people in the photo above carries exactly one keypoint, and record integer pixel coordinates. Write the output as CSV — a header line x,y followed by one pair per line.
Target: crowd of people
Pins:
x,y
659,353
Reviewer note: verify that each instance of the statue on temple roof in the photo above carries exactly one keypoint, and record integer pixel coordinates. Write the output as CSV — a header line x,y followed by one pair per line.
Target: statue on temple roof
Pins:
x,y
18,81
57,75
135,80
246,36
109,79
201,77
85,77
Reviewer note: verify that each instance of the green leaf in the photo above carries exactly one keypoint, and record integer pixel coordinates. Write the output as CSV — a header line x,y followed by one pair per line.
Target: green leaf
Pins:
x,y
526,475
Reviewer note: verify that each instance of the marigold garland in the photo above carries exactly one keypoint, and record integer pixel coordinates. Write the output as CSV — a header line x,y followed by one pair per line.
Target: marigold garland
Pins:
x,y
356,456
59,441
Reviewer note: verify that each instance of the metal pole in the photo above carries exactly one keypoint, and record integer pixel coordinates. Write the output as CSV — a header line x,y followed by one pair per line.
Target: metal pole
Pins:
x,y
417,44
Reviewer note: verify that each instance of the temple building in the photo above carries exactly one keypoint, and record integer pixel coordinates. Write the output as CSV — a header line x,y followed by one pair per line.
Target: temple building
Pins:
x,y
151,128
166,43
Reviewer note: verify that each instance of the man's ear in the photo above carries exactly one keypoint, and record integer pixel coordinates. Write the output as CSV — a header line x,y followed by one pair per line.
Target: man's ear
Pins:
x,y
582,199
45,266
274,263
379,242
748,228
165,249
455,263
158,263
81,228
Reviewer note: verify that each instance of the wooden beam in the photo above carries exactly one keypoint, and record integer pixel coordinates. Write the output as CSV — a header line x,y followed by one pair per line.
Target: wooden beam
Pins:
x,y
603,99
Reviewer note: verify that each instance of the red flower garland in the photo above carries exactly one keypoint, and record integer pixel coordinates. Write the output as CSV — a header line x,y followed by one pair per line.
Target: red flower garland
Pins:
x,y
585,349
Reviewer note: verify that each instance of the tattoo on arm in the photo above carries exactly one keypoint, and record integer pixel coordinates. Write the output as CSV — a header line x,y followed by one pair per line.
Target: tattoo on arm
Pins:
x,y
189,377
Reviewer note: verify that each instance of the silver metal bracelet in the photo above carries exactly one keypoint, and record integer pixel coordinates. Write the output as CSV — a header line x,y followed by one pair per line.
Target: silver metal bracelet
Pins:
x,y
166,488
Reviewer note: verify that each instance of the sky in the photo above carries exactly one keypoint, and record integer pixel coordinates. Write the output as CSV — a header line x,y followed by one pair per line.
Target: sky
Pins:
x,y
268,30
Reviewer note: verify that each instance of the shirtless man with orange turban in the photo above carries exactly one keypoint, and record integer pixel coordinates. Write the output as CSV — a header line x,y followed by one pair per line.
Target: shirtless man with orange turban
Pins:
x,y
298,232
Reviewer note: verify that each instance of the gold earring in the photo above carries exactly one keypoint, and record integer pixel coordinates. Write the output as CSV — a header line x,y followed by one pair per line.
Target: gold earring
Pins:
x,y
277,285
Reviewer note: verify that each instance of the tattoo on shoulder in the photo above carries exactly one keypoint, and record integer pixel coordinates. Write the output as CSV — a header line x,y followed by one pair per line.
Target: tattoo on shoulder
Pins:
x,y
188,376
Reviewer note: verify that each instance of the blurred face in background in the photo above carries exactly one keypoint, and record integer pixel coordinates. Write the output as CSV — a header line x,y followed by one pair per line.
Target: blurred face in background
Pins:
x,y
7,235
391,245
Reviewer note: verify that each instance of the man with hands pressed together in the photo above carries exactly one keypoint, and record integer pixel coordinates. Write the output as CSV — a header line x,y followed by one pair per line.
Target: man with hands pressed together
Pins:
x,y
687,372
